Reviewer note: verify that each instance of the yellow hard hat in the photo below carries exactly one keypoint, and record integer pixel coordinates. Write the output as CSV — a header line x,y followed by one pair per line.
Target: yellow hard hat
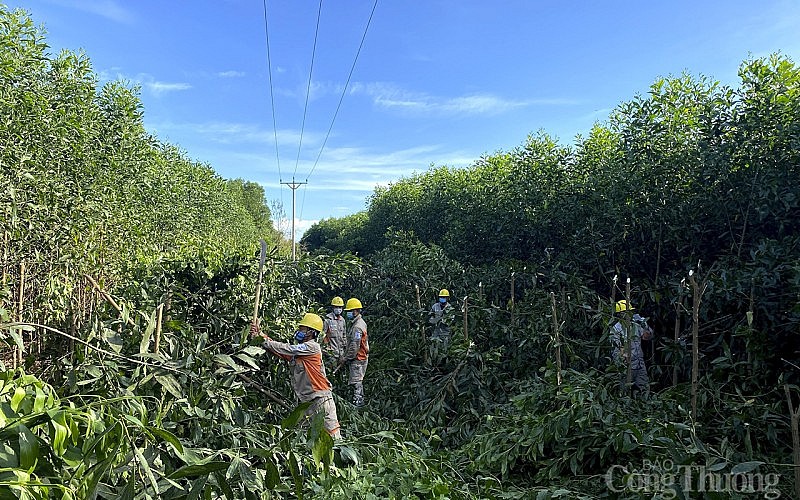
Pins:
x,y
337,301
353,304
444,293
312,321
622,305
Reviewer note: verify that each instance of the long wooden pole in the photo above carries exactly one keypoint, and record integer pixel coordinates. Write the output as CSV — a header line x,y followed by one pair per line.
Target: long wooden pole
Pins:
x,y
108,298
628,333
19,351
696,295
159,314
466,320
556,339
678,307
794,422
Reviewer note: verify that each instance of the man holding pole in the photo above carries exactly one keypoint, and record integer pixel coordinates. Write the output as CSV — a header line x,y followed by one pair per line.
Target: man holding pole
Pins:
x,y
309,381
626,337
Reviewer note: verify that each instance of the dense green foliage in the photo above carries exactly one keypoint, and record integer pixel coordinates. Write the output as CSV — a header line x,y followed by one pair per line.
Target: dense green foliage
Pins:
x,y
147,385
84,189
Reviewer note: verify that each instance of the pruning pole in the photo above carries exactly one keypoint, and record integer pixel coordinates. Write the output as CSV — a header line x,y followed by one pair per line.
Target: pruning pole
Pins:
x,y
628,330
159,313
697,293
262,257
419,308
466,321
19,351
555,336
794,419
108,298
678,307
512,298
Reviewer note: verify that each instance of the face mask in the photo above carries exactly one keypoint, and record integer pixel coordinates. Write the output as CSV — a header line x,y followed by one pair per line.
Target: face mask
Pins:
x,y
349,314
442,300
337,311
299,336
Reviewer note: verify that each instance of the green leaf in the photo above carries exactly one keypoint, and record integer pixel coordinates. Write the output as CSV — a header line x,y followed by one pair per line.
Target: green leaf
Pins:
x,y
294,417
198,470
745,467
197,488
144,345
171,385
28,448
273,477
16,399
146,466
717,466
59,431
169,437
322,449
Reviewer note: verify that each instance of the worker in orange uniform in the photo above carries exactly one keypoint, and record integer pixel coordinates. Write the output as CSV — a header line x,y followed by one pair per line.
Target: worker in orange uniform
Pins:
x,y
357,353
309,381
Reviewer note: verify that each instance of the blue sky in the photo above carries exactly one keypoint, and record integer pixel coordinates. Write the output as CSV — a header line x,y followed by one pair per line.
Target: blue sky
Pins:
x,y
437,82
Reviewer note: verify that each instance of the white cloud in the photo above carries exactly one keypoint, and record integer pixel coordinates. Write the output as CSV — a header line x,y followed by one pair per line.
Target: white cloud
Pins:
x,y
231,74
390,96
159,88
144,80
108,9
240,133
300,227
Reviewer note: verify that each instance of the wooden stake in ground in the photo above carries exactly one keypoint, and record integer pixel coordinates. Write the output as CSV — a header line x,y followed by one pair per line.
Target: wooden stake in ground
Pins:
x,y
108,298
628,325
556,339
466,321
19,351
159,314
512,298
678,307
261,258
794,421
697,293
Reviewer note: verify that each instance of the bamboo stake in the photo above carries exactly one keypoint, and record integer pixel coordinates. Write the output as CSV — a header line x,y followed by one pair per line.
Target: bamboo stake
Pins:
x,y
466,321
697,292
419,308
794,420
160,312
19,351
678,307
628,330
555,336
512,298
108,298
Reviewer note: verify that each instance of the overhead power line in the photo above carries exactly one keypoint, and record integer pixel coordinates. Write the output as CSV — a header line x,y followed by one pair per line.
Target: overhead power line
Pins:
x,y
272,102
271,92
344,91
308,90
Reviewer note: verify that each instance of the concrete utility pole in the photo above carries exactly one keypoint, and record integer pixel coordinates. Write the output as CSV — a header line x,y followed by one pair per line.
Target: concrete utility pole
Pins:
x,y
293,185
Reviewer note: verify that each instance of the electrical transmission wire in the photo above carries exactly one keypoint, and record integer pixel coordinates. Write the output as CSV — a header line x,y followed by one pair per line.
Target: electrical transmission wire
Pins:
x,y
308,89
339,105
344,90
272,103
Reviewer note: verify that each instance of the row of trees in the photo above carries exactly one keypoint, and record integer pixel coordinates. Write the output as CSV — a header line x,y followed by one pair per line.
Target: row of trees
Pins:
x,y
143,261
693,173
85,190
